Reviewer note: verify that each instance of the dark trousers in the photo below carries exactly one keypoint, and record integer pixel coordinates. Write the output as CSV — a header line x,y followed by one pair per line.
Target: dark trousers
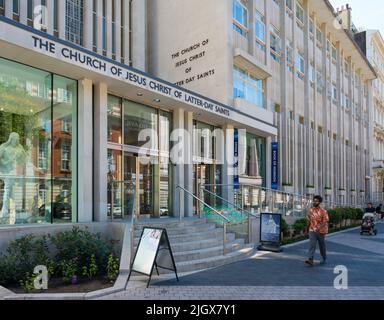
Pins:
x,y
315,238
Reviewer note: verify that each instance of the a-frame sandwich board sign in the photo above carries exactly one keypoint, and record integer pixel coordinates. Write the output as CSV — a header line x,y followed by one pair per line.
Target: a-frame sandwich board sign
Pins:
x,y
153,250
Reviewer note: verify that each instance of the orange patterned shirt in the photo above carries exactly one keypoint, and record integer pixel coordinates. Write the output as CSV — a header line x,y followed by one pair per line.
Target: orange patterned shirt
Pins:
x,y
318,220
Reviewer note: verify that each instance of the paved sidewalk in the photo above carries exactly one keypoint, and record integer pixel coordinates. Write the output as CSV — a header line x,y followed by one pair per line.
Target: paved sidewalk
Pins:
x,y
271,276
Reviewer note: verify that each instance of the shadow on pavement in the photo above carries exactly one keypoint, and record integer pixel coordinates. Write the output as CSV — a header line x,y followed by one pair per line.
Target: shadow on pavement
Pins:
x,y
288,269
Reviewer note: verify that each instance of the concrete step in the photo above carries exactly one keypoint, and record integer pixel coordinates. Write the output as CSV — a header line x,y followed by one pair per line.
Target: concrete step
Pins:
x,y
181,230
208,252
169,223
197,244
195,236
211,262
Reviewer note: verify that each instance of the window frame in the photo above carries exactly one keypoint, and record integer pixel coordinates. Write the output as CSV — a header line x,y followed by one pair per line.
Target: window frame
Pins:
x,y
260,20
299,8
238,25
300,66
276,54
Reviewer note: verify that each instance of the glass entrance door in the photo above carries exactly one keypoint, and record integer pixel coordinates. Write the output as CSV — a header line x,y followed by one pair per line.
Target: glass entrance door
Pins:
x,y
130,182
203,176
146,189
142,177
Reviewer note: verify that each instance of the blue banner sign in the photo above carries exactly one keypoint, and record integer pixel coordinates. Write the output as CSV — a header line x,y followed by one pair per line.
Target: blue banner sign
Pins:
x,y
236,181
275,166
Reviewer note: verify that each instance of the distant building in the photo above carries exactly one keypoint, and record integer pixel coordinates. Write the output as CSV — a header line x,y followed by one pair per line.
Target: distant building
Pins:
x,y
372,43
291,61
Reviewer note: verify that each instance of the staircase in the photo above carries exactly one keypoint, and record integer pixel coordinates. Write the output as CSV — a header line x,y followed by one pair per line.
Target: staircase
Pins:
x,y
197,244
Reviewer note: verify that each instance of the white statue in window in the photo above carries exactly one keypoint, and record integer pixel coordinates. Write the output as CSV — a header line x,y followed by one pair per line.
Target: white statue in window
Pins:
x,y
271,226
12,154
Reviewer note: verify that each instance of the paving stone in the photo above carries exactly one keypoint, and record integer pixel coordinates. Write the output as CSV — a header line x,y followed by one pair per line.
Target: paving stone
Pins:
x,y
271,276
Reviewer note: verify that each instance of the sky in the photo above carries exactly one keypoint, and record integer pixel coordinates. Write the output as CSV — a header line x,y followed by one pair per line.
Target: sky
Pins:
x,y
368,14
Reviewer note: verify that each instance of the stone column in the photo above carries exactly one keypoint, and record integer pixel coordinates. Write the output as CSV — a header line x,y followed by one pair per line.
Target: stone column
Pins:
x,y
9,9
88,24
127,35
307,167
228,163
177,158
284,170
188,167
61,14
85,151
100,152
370,135
109,29
99,26
118,29
139,32
23,12
50,16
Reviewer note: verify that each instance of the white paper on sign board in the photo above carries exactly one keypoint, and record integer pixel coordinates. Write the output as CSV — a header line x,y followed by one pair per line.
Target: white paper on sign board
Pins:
x,y
270,227
146,252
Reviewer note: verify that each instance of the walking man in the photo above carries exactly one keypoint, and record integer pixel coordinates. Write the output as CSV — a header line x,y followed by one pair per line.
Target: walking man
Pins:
x,y
318,228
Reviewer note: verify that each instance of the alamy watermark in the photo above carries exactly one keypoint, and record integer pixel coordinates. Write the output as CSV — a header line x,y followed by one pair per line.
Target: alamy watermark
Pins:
x,y
41,280
341,280
41,17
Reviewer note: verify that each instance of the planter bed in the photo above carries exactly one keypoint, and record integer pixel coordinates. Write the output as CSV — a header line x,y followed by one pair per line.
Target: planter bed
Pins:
x,y
56,285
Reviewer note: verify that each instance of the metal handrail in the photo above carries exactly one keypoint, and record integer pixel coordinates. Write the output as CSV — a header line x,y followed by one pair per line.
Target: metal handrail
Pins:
x,y
204,203
254,186
215,211
287,193
132,230
232,204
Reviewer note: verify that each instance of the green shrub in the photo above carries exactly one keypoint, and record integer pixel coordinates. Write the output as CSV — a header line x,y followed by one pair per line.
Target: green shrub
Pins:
x,y
113,267
300,225
21,257
91,270
74,252
284,226
8,270
359,214
27,282
80,245
68,269
335,217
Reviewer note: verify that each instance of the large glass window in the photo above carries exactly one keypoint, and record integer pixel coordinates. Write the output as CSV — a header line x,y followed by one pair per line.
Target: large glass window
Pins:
x,y
165,166
74,25
114,194
252,156
146,133
203,146
206,170
114,119
37,159
300,66
260,31
140,125
299,13
16,7
290,55
248,87
275,44
240,17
